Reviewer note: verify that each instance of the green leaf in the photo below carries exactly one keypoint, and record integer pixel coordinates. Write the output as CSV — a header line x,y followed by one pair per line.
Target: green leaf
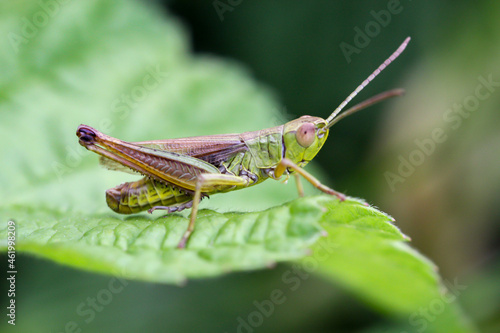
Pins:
x,y
368,255
352,244
144,248
140,247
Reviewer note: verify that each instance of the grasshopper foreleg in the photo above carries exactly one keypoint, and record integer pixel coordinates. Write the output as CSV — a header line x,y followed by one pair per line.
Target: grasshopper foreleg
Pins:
x,y
286,163
300,188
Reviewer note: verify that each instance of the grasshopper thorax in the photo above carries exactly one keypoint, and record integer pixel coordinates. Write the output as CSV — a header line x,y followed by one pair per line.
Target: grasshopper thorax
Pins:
x,y
303,138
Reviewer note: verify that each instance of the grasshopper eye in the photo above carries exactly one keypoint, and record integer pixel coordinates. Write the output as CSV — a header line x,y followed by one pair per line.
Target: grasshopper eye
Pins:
x,y
306,134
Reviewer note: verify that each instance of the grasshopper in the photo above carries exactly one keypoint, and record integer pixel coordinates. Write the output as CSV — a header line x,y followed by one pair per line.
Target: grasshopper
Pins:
x,y
179,173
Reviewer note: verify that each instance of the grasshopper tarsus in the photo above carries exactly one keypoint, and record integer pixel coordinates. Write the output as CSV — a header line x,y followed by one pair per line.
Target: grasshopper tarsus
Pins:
x,y
342,197
298,183
183,242
339,195
180,172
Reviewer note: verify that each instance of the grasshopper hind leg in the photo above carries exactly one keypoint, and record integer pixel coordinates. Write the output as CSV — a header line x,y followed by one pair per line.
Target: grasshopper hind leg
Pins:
x,y
172,209
208,181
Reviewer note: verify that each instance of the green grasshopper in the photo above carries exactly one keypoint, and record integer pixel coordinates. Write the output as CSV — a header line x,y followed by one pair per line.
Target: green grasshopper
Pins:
x,y
180,172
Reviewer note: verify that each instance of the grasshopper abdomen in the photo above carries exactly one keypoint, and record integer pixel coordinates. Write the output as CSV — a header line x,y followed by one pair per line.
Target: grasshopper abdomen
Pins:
x,y
135,197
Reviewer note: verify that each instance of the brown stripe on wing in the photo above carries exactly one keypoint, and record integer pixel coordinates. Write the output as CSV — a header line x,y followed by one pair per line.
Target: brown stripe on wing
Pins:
x,y
212,148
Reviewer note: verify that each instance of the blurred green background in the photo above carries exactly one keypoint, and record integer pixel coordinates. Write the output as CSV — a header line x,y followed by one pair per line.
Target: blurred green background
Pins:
x,y
448,204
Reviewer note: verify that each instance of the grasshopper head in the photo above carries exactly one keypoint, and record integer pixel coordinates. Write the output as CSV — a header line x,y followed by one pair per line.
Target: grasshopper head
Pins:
x,y
303,138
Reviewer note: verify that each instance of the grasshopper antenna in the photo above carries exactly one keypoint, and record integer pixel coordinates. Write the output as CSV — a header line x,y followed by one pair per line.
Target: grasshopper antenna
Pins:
x,y
371,101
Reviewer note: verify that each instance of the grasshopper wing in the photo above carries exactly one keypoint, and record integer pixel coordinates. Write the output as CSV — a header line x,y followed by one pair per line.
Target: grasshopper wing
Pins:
x,y
213,149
